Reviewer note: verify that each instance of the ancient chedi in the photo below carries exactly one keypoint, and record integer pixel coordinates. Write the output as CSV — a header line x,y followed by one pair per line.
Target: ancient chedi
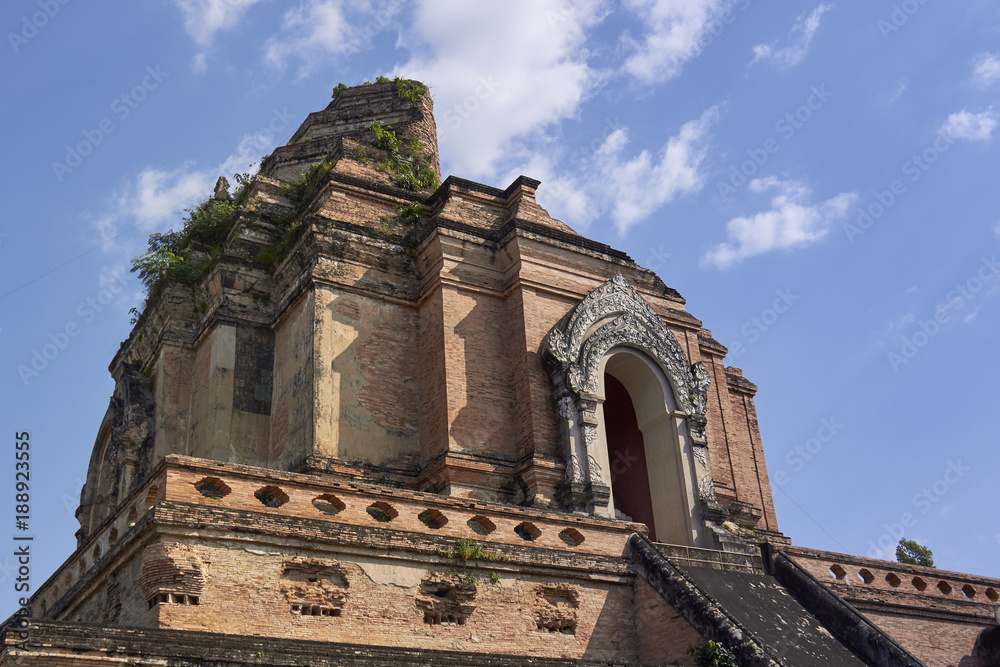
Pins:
x,y
368,418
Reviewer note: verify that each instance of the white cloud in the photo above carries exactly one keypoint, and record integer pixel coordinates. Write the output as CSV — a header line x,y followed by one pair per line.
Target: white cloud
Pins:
x,y
791,223
986,70
317,29
500,73
971,316
892,96
675,27
638,186
628,189
996,229
155,199
204,18
971,126
800,39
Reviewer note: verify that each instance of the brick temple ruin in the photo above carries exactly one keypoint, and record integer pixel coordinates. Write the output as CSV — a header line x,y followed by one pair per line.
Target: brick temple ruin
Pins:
x,y
392,421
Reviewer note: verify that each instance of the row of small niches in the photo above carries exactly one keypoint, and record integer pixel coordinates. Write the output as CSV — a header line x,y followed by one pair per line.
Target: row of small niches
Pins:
x,y
381,511
69,578
867,577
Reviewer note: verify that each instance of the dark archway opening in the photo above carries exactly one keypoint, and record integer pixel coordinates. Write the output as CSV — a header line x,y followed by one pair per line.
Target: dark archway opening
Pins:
x,y
626,455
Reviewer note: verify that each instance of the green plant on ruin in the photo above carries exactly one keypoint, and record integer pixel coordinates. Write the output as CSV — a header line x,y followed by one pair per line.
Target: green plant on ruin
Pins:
x,y
409,169
473,550
494,577
469,579
712,654
414,145
360,155
301,194
382,79
339,88
185,255
385,138
410,213
409,91
415,176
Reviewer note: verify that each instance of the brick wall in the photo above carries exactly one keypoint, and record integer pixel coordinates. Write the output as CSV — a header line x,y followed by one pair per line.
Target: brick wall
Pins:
x,y
935,614
663,634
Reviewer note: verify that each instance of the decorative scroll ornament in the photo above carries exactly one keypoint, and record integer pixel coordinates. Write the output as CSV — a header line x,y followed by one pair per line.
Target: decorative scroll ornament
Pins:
x,y
701,453
595,467
567,409
575,474
706,489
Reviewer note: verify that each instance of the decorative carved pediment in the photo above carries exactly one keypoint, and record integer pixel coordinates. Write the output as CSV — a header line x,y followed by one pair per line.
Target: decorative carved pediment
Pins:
x,y
615,315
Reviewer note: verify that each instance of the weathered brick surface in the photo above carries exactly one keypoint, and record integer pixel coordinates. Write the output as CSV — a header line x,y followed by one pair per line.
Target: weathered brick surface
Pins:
x,y
72,645
233,565
938,624
663,634
395,364
937,643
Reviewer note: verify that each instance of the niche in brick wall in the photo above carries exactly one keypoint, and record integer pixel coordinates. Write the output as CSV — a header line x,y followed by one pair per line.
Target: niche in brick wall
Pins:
x,y
213,488
329,504
572,537
382,511
481,525
170,574
271,496
314,586
527,531
433,519
555,608
447,599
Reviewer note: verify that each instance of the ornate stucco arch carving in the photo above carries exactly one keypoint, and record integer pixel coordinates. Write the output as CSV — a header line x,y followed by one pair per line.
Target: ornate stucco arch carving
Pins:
x,y
612,316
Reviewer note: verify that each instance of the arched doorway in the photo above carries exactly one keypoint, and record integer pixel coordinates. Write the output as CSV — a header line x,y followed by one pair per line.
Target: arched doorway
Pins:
x,y
614,333
626,457
647,448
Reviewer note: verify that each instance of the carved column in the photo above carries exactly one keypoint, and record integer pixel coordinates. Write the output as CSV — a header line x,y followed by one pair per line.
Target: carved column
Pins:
x,y
697,424
598,494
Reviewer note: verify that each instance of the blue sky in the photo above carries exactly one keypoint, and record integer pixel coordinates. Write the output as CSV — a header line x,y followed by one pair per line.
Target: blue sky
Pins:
x,y
817,179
